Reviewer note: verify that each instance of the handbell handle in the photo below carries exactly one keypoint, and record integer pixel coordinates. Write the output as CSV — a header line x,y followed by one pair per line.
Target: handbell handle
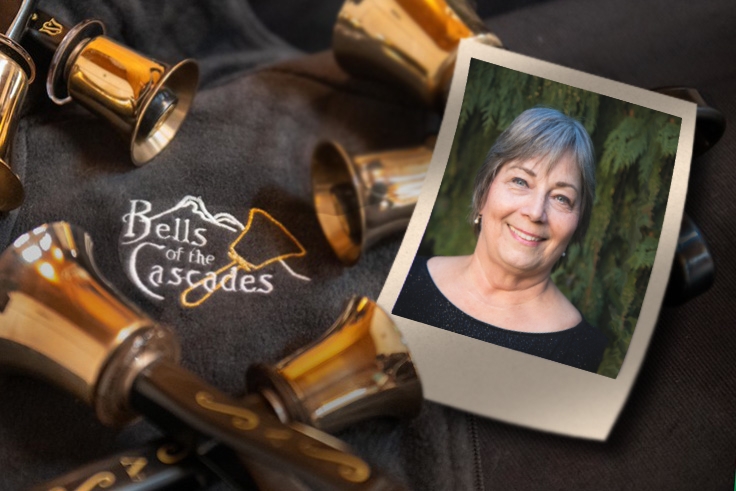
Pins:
x,y
179,402
169,465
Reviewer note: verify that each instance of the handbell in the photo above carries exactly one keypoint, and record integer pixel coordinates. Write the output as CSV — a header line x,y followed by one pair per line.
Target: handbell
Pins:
x,y
359,369
364,198
16,73
411,43
146,100
61,320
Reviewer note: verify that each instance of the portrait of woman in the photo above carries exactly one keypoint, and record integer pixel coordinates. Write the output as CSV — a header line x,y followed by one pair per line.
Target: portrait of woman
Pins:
x,y
532,199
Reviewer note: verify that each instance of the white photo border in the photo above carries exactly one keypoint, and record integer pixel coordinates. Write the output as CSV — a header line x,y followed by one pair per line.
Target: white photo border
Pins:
x,y
508,385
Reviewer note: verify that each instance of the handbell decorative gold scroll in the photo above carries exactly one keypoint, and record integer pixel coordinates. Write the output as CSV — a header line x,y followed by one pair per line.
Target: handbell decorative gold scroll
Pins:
x,y
411,43
362,199
144,99
359,369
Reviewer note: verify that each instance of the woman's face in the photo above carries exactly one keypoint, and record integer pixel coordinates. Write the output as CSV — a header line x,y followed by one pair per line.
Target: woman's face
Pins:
x,y
530,214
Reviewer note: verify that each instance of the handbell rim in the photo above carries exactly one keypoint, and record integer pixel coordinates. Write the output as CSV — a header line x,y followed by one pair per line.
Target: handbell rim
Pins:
x,y
349,257
184,76
19,55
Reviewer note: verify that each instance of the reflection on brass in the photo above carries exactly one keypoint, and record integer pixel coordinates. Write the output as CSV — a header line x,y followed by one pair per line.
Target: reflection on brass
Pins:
x,y
243,419
133,467
16,73
144,99
411,43
100,480
362,199
61,320
359,369
351,468
171,453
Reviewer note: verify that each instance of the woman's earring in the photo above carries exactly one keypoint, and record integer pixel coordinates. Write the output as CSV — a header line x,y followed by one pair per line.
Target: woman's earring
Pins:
x,y
563,253
477,219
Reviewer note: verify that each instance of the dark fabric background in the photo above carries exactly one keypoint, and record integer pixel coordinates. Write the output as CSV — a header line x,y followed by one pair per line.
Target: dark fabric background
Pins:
x,y
262,107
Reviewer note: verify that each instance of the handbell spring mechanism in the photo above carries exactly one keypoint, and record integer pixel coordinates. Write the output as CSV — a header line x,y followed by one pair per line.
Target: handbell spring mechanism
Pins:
x,y
17,71
142,98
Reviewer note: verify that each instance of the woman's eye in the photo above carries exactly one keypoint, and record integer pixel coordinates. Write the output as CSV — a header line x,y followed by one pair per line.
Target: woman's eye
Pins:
x,y
564,199
519,181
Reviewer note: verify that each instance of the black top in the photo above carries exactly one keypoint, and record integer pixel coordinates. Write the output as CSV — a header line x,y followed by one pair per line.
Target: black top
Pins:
x,y
420,300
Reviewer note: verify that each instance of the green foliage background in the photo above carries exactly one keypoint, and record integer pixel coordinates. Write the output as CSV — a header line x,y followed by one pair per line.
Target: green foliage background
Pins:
x,y
635,147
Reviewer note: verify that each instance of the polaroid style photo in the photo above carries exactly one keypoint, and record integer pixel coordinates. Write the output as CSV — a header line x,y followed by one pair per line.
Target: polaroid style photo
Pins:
x,y
533,269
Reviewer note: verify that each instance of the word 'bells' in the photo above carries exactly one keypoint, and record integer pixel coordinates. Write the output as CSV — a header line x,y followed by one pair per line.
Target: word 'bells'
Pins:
x,y
410,43
16,73
364,198
61,320
144,99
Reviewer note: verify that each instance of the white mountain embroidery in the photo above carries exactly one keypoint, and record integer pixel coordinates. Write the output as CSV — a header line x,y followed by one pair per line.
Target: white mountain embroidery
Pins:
x,y
197,206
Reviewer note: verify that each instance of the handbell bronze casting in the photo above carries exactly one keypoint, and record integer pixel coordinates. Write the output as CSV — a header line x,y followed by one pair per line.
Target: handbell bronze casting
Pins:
x,y
16,73
144,99
411,43
361,199
61,320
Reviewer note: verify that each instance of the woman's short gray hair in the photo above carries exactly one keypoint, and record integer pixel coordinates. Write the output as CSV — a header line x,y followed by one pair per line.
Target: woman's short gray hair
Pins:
x,y
541,132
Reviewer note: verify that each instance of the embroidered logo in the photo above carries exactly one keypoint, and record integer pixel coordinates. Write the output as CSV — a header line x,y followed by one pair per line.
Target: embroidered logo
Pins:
x,y
188,253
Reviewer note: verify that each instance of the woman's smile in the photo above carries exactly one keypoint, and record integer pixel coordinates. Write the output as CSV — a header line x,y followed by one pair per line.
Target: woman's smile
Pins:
x,y
524,237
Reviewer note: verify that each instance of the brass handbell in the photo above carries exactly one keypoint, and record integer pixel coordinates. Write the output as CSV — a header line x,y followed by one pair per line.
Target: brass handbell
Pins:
x,y
362,199
61,320
16,73
144,99
411,43
359,369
